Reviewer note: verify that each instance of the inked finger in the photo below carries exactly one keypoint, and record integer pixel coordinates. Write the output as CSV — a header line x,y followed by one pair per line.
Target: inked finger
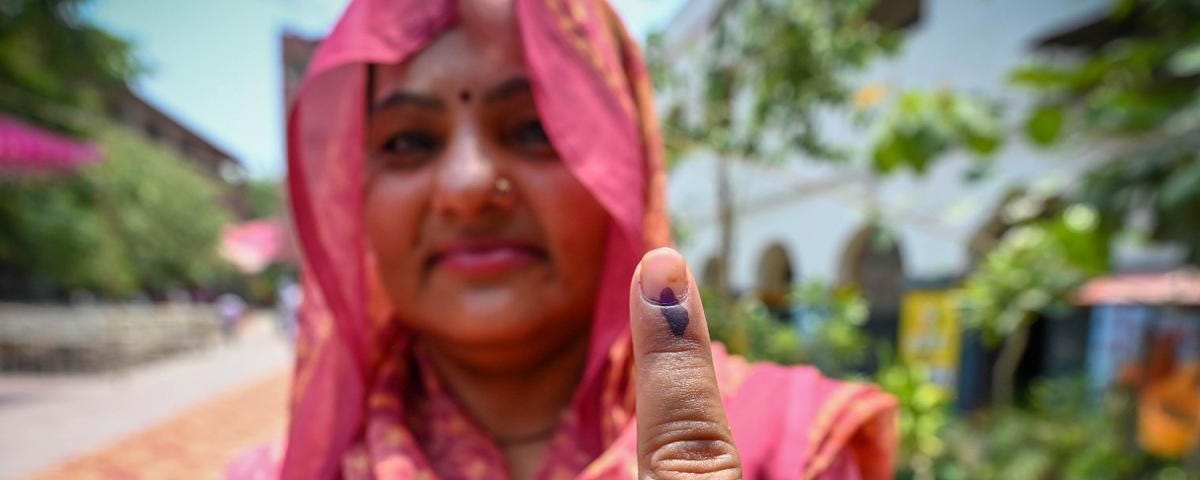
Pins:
x,y
682,428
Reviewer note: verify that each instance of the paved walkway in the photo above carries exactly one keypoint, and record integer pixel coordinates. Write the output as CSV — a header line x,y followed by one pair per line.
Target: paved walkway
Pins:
x,y
182,417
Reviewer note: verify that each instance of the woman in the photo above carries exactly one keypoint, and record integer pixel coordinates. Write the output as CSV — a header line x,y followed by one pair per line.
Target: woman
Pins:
x,y
473,183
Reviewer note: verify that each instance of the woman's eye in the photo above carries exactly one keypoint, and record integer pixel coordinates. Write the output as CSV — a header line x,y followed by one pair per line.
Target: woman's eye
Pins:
x,y
530,135
409,148
411,143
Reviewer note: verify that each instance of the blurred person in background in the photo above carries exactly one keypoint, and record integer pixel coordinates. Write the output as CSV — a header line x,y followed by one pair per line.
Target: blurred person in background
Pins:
x,y
230,308
289,298
473,183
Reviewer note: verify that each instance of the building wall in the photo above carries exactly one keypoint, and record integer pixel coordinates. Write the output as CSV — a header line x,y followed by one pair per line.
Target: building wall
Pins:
x,y
297,52
138,115
815,210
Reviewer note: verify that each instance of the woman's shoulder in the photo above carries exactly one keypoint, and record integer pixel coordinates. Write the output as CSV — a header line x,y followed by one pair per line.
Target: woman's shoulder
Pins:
x,y
793,417
735,373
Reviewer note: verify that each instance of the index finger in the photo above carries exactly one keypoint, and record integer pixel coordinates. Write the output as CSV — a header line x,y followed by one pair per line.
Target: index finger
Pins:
x,y
682,429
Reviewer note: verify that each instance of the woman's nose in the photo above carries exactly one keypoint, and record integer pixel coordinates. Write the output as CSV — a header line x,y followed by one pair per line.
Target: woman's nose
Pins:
x,y
468,180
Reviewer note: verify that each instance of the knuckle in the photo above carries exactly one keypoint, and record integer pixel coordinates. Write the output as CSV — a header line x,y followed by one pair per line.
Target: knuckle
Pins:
x,y
691,449
678,358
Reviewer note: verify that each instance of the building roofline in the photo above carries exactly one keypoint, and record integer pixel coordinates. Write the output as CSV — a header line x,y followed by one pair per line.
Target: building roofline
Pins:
x,y
1092,31
160,115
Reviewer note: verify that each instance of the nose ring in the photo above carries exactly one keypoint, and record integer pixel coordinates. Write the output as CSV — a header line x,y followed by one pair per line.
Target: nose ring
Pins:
x,y
503,186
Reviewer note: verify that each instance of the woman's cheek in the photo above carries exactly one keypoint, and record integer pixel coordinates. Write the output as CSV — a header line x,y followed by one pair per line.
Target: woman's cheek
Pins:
x,y
388,224
579,223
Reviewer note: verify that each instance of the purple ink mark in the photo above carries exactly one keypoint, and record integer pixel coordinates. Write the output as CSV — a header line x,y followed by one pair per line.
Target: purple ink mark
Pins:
x,y
673,312
667,297
677,319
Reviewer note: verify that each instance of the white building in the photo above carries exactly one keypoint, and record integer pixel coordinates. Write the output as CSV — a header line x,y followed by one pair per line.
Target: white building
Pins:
x,y
806,220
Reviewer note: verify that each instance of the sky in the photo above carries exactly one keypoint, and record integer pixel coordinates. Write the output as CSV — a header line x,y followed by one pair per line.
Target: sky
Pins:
x,y
214,65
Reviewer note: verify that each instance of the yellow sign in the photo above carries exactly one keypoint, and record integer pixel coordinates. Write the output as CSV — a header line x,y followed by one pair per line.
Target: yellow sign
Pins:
x,y
930,334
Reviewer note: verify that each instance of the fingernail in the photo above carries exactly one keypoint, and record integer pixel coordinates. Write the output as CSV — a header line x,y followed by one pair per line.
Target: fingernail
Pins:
x,y
664,277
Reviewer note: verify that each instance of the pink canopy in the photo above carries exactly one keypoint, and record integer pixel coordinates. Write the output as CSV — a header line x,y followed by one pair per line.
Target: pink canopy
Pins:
x,y
253,245
1179,287
25,148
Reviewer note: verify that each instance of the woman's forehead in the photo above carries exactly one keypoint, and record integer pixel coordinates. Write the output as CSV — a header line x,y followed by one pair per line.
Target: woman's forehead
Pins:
x,y
481,48
487,16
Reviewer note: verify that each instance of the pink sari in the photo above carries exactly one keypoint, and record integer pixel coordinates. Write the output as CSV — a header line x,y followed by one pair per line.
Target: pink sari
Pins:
x,y
354,411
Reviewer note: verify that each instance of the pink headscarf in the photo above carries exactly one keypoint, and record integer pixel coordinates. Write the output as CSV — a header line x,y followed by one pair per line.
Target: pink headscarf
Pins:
x,y
592,93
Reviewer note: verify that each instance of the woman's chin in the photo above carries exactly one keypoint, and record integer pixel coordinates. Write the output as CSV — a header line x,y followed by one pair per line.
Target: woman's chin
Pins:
x,y
494,301
493,315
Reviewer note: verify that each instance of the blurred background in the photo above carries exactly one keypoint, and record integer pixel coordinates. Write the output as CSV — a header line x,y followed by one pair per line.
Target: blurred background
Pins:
x,y
991,208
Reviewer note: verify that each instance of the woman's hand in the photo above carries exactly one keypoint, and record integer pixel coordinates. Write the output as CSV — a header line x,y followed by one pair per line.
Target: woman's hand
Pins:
x,y
682,429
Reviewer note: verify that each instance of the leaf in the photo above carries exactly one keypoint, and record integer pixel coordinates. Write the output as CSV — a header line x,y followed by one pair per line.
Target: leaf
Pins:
x,y
1045,125
975,124
1039,76
1181,188
886,156
1125,110
1186,62
1123,8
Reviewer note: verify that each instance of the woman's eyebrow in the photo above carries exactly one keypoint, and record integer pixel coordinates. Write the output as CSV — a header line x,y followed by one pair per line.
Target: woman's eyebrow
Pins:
x,y
507,89
402,97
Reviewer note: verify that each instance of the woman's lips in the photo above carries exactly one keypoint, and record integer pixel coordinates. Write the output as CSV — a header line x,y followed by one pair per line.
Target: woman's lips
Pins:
x,y
485,260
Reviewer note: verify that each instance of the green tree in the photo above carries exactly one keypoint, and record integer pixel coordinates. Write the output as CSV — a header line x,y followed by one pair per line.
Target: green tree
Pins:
x,y
167,214
51,237
264,198
769,66
1137,89
143,219
1034,269
1067,432
54,62
924,413
921,127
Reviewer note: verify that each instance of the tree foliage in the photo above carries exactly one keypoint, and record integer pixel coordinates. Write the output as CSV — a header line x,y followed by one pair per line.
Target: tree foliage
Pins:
x,y
51,237
1137,91
1035,267
1067,432
920,127
766,74
1133,92
53,61
143,219
924,414
167,213
264,198
771,65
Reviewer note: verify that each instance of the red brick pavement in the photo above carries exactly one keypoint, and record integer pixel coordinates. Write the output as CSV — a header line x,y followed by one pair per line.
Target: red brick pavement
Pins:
x,y
197,443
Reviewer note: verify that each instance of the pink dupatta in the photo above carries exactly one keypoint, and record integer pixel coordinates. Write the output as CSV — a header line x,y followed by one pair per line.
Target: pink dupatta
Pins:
x,y
592,92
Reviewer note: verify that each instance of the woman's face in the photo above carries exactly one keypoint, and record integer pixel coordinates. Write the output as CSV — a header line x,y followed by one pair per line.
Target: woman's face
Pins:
x,y
482,235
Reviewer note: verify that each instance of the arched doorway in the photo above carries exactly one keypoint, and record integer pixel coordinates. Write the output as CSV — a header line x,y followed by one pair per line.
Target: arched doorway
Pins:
x,y
872,263
775,281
